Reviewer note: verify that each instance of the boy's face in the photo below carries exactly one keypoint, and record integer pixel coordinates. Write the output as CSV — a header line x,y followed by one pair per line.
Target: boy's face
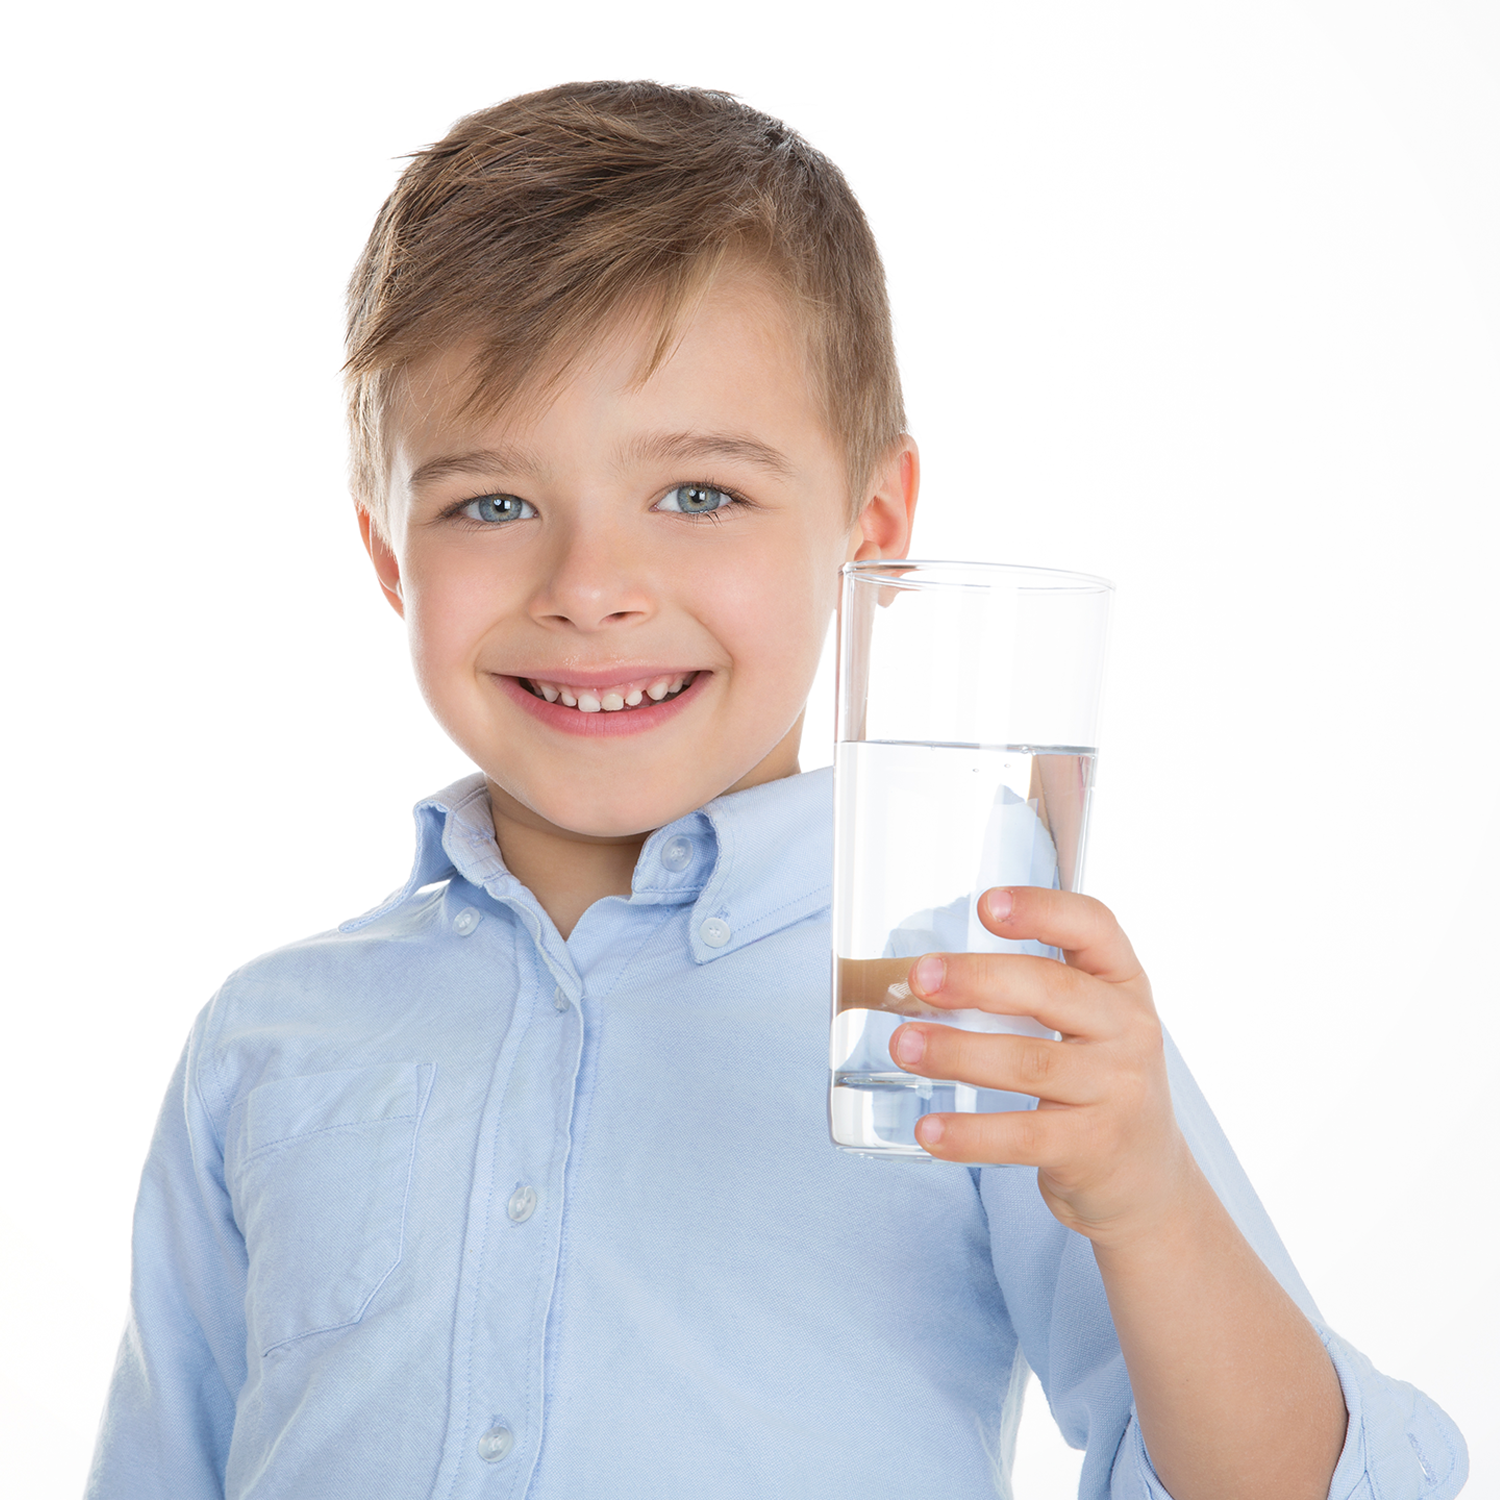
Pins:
x,y
616,601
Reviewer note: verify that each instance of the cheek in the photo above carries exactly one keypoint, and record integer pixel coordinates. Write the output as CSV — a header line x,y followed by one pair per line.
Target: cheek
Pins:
x,y
448,612
775,617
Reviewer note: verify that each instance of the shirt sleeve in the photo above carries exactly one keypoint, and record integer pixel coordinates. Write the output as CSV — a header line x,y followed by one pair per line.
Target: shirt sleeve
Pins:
x,y
170,1410
1400,1445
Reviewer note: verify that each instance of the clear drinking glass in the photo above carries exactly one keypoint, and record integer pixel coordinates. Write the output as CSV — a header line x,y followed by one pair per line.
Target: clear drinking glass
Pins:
x,y
968,701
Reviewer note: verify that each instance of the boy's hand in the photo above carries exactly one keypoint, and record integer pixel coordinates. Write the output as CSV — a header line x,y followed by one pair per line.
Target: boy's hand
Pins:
x,y
1111,1159
1235,1393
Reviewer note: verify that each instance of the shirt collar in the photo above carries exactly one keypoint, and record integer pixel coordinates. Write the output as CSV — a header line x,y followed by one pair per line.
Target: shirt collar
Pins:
x,y
750,863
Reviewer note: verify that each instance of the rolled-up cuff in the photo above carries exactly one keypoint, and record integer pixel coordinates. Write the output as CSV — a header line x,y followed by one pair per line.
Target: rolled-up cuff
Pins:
x,y
1400,1445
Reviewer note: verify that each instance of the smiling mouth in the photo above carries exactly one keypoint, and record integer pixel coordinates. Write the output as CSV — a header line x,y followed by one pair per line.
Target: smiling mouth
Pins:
x,y
619,698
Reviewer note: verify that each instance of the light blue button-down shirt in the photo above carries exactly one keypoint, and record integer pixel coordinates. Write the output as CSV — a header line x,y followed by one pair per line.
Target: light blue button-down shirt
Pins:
x,y
442,1205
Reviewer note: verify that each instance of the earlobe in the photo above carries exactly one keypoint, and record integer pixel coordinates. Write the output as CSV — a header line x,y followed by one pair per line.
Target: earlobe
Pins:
x,y
387,568
885,522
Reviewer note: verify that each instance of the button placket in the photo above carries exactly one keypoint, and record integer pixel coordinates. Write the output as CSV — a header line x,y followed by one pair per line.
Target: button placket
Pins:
x,y
495,1355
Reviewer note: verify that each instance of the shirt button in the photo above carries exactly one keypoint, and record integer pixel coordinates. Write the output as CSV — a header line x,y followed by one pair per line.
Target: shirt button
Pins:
x,y
677,853
495,1443
520,1208
715,932
466,921
559,999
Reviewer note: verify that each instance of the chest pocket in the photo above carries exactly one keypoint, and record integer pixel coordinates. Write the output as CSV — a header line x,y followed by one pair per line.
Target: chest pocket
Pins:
x,y
321,1194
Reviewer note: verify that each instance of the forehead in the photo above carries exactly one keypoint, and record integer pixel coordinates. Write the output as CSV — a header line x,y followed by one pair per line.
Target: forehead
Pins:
x,y
735,365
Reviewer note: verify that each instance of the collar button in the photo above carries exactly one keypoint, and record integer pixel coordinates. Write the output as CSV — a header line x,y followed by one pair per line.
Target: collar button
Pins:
x,y
715,932
677,853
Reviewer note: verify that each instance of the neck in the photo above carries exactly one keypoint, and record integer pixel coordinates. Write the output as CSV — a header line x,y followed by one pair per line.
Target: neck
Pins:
x,y
566,872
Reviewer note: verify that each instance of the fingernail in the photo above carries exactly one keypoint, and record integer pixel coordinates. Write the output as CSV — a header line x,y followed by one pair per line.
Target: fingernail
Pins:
x,y
929,975
910,1045
999,904
929,1130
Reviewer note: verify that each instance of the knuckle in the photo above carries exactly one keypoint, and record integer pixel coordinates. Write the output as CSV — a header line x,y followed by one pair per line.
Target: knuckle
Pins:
x,y
1129,1081
1028,1133
1101,920
971,1056
1147,1042
1074,983
1099,911
1131,1092
989,970
1035,1063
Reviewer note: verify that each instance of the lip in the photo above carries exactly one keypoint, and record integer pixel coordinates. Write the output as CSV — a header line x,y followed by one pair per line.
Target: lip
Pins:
x,y
601,725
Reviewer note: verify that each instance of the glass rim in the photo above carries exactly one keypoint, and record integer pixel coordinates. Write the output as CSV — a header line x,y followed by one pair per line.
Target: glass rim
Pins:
x,y
895,572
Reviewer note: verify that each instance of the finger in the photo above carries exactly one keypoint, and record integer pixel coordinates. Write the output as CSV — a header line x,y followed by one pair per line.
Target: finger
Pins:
x,y
1060,1072
1011,1137
1019,984
1083,928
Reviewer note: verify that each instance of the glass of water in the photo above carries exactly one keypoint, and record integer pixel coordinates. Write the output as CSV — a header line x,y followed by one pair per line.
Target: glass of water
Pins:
x,y
968,703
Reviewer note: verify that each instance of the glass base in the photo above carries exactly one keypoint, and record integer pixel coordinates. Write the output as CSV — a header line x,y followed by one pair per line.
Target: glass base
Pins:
x,y
876,1114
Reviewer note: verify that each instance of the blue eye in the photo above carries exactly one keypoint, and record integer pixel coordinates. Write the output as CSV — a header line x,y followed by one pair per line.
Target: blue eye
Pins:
x,y
694,499
493,509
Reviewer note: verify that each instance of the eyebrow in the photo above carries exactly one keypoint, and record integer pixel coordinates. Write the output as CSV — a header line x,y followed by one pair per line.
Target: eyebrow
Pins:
x,y
476,461
684,446
656,447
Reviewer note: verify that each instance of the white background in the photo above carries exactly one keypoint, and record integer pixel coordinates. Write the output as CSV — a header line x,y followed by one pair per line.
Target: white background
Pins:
x,y
1200,296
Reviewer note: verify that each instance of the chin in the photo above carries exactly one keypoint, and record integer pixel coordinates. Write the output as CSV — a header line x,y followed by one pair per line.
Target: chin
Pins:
x,y
609,816
623,796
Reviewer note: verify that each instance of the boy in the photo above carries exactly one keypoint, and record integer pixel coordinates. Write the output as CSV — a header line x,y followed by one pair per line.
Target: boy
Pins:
x,y
519,1184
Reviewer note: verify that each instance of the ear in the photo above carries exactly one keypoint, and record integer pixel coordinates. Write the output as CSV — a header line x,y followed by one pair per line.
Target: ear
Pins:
x,y
885,519
387,569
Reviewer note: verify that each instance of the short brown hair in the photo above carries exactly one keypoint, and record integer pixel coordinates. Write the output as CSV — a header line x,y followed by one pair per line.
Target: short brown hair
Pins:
x,y
533,224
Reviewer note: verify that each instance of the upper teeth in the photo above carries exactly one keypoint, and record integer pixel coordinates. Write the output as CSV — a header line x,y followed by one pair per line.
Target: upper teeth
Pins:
x,y
611,699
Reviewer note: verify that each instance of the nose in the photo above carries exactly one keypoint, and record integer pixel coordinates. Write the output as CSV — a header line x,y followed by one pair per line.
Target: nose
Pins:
x,y
593,581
